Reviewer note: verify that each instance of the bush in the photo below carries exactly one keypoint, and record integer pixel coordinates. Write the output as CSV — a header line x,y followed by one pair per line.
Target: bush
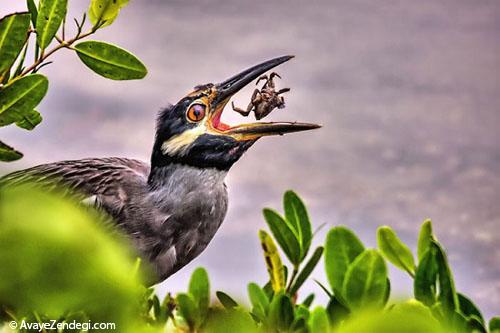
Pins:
x,y
57,263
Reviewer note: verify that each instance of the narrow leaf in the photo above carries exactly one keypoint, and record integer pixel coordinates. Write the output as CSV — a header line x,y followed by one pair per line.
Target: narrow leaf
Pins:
x,y
188,310
20,97
424,238
308,300
9,154
342,247
50,16
307,270
33,11
13,36
227,301
318,321
110,61
297,217
283,235
394,250
30,120
199,289
447,293
365,283
425,283
105,11
273,261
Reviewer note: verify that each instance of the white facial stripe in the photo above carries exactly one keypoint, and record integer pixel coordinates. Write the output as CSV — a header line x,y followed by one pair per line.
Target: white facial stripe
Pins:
x,y
178,144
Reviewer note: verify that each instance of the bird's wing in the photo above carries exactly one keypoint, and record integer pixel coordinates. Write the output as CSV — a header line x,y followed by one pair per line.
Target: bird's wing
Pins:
x,y
101,181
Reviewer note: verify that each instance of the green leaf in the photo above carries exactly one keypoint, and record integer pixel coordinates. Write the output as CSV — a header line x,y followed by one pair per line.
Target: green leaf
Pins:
x,y
199,289
424,238
13,36
227,301
258,297
110,61
425,283
50,16
9,154
281,312
105,10
273,261
33,11
365,283
468,308
318,321
342,247
20,97
495,325
30,120
475,325
337,312
308,300
283,235
394,250
297,217
188,310
307,270
447,294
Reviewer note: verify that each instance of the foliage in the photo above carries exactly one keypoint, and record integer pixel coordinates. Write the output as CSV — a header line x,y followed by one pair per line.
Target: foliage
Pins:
x,y
21,88
51,268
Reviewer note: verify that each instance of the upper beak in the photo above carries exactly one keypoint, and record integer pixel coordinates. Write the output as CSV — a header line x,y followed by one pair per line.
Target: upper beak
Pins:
x,y
226,89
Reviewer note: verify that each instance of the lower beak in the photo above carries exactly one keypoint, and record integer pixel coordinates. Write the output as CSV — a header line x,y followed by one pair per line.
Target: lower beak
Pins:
x,y
252,131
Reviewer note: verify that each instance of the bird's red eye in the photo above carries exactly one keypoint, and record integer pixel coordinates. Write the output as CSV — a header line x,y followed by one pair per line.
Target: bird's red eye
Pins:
x,y
196,112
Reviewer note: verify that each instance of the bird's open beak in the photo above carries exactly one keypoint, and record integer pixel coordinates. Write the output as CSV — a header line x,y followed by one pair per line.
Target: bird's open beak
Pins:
x,y
225,90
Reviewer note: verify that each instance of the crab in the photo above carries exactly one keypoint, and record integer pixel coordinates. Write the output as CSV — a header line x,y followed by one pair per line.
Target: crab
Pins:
x,y
265,100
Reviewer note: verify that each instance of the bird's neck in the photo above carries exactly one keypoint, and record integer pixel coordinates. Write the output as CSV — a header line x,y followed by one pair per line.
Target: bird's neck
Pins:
x,y
184,177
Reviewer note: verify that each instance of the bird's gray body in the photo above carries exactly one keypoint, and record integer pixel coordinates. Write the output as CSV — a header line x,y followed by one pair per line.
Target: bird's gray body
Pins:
x,y
170,213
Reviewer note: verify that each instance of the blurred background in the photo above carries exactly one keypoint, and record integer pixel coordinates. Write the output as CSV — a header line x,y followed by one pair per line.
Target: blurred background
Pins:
x,y
407,92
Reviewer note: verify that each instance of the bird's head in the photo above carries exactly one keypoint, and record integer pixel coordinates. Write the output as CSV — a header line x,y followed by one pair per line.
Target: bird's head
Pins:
x,y
191,132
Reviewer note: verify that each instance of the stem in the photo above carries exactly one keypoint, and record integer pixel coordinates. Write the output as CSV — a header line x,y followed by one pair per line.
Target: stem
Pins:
x,y
292,279
62,44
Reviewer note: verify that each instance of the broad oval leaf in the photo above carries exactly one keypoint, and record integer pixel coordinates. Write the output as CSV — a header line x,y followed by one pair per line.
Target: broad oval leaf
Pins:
x,y
424,238
110,61
394,250
50,16
258,299
9,154
30,120
283,235
341,248
425,283
318,321
199,289
189,311
20,97
105,11
273,261
297,217
13,36
227,301
365,283
307,270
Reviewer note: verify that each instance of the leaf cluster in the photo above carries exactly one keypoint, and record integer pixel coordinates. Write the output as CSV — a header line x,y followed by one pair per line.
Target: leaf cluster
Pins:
x,y
43,25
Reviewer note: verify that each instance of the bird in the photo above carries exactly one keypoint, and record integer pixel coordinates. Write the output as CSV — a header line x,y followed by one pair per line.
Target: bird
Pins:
x,y
170,209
